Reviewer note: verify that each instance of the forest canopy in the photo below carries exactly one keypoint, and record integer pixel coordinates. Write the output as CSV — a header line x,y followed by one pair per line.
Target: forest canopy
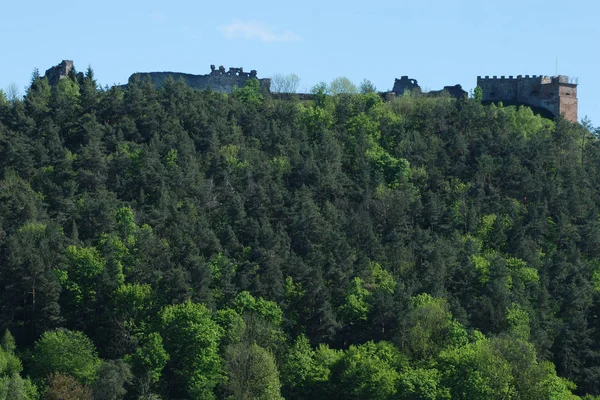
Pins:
x,y
172,243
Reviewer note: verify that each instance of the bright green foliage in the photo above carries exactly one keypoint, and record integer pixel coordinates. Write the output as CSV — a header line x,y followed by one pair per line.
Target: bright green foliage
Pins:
x,y
126,225
382,280
476,371
318,117
66,352
85,265
262,321
477,93
244,302
133,303
301,369
520,269
191,339
357,306
527,123
150,358
554,387
250,94
487,223
252,373
233,325
430,327
518,322
532,379
171,158
596,279
482,266
69,89
365,140
422,384
232,156
370,371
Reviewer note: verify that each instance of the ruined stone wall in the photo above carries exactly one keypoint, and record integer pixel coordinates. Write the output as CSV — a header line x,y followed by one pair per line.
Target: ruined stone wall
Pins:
x,y
218,80
405,84
58,72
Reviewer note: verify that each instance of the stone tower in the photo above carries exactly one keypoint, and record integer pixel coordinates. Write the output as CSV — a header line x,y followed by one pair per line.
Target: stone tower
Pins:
x,y
555,95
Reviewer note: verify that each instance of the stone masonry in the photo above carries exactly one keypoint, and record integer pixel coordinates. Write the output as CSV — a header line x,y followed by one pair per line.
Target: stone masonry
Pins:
x,y
555,95
59,72
405,84
219,80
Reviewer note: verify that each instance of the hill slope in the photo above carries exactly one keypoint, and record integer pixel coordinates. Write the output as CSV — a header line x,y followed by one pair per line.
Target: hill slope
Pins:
x,y
215,245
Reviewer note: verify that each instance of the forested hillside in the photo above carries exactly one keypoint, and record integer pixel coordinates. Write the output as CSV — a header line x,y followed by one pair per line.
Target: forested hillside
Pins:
x,y
178,244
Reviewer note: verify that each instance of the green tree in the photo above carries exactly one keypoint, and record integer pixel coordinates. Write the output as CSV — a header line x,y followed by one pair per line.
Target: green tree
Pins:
x,y
148,362
192,338
252,373
113,378
476,371
356,308
66,352
304,372
366,86
430,327
250,94
370,371
342,85
477,93
12,385
31,289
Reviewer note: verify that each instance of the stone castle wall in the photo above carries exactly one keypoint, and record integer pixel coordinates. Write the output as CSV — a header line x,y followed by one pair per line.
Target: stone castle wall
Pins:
x,y
218,80
551,95
406,84
554,94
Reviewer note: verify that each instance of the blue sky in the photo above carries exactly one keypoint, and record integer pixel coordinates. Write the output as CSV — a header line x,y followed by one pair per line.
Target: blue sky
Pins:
x,y
437,42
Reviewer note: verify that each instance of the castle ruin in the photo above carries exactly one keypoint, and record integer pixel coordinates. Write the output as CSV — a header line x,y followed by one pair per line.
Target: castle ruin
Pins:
x,y
550,96
405,84
554,95
219,80
58,72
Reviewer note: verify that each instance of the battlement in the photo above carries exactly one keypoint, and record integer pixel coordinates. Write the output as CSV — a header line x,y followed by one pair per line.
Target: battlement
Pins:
x,y
554,95
232,72
541,78
510,77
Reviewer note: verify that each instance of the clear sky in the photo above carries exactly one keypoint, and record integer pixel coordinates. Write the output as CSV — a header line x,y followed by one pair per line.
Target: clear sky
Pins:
x,y
437,42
